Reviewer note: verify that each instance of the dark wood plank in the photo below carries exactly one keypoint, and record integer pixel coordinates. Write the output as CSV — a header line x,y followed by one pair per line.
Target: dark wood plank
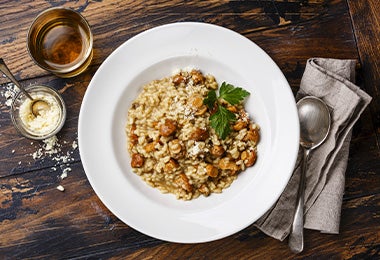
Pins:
x,y
291,45
366,24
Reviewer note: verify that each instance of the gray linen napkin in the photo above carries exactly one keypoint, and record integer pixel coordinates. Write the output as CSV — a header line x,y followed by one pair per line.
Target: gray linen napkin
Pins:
x,y
332,81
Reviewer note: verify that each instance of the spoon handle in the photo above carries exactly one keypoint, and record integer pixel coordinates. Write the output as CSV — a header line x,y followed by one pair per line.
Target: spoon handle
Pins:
x,y
7,72
296,234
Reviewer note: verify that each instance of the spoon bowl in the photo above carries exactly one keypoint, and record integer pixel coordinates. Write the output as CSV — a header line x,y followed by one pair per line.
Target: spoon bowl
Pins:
x,y
37,106
315,124
314,119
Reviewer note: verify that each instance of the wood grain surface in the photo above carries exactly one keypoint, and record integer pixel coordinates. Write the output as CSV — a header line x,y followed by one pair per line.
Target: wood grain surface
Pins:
x,y
39,222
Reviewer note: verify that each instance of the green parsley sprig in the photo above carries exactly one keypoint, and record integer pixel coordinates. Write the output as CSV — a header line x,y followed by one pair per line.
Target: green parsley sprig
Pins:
x,y
222,118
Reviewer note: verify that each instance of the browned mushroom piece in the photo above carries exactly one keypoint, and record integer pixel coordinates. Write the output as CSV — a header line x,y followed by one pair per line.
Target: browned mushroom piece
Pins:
x,y
211,170
150,147
168,128
232,109
239,125
204,190
252,135
137,160
133,138
249,158
217,150
183,182
197,77
229,164
199,134
171,165
178,79
197,105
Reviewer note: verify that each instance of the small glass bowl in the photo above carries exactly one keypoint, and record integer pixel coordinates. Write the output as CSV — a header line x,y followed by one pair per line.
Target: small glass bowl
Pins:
x,y
34,91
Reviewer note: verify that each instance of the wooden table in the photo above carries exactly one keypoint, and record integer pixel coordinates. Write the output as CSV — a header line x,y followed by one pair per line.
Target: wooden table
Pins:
x,y
39,221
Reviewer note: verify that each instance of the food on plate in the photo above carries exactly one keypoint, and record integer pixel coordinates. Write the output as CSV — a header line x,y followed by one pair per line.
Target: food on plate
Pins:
x,y
186,140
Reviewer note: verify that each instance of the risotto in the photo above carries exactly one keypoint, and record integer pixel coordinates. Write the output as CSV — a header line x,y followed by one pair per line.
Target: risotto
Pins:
x,y
173,147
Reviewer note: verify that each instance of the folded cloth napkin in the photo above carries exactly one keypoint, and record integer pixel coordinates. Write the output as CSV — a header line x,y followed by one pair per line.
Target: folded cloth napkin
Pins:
x,y
332,81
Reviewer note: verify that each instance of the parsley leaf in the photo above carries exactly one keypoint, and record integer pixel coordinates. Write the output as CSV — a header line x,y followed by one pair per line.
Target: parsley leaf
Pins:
x,y
220,121
231,94
210,100
222,118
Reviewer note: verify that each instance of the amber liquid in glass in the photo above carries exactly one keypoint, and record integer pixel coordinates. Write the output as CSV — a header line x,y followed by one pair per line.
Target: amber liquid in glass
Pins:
x,y
63,45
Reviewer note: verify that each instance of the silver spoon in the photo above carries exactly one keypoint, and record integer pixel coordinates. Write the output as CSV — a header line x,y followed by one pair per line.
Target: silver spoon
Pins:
x,y
37,105
315,123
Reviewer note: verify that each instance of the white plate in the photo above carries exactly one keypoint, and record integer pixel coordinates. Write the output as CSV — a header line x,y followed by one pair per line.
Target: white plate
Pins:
x,y
154,54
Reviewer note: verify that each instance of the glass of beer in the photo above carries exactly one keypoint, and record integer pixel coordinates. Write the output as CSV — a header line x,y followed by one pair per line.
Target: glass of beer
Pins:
x,y
60,41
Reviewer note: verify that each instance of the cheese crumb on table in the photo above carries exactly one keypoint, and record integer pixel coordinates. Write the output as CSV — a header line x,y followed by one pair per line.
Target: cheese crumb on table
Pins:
x,y
60,188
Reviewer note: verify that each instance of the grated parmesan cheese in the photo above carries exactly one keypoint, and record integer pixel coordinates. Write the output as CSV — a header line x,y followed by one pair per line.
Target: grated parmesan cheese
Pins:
x,y
46,121
9,93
